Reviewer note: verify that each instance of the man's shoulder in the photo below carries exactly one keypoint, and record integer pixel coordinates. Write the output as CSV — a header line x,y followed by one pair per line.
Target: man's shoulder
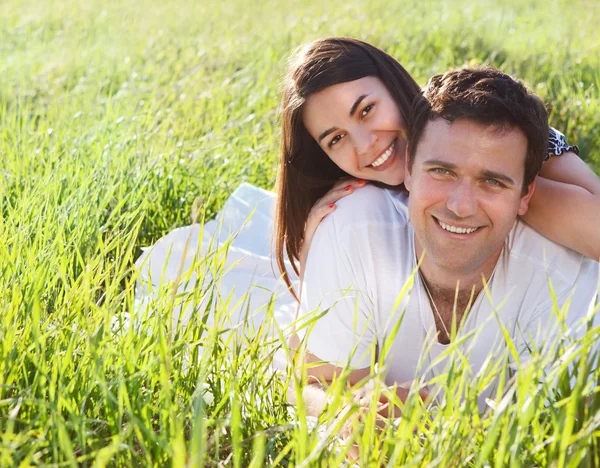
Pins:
x,y
532,254
540,275
373,205
370,218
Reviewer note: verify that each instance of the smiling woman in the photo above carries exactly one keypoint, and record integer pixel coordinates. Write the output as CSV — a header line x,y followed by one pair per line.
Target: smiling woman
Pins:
x,y
345,105
359,127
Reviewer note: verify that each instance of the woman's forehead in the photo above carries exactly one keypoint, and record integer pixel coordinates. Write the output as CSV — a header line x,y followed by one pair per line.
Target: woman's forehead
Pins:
x,y
347,90
333,105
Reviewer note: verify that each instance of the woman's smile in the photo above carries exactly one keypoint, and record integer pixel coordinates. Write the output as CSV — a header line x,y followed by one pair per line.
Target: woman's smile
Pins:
x,y
380,162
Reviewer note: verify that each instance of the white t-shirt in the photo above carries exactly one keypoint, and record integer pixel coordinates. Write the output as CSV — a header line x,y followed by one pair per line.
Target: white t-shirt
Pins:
x,y
362,258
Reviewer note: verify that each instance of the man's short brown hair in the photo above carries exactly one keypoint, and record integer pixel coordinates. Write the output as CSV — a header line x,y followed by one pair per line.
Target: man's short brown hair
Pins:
x,y
489,97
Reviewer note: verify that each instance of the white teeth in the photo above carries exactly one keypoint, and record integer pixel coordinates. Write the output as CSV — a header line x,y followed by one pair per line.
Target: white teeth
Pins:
x,y
457,230
385,156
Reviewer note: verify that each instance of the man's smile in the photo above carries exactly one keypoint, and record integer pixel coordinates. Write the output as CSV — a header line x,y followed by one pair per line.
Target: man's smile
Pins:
x,y
463,231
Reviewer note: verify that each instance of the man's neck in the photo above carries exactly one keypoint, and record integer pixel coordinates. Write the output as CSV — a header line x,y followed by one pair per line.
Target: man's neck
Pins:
x,y
451,292
443,279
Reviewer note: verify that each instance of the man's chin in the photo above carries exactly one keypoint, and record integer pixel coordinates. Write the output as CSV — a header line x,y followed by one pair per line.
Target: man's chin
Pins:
x,y
458,267
462,261
451,260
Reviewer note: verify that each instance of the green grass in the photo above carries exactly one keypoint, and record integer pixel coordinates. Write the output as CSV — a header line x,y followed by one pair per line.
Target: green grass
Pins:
x,y
117,118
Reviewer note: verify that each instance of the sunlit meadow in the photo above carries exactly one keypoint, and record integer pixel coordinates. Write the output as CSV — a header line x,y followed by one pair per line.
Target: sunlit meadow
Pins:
x,y
119,121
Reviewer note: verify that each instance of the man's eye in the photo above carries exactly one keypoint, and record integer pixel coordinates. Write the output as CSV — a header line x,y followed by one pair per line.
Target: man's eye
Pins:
x,y
335,140
441,171
493,182
366,110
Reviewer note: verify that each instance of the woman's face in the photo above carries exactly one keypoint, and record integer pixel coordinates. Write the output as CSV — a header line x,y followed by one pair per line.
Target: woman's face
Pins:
x,y
359,126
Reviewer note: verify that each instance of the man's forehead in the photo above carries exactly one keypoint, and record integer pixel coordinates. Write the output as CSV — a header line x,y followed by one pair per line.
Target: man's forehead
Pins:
x,y
469,143
441,125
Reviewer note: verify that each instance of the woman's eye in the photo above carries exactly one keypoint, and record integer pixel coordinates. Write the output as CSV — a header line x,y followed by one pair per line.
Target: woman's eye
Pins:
x,y
366,110
335,140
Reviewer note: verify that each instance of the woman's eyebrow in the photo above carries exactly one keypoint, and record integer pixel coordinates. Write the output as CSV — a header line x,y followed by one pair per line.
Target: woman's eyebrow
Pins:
x,y
327,132
359,99
356,104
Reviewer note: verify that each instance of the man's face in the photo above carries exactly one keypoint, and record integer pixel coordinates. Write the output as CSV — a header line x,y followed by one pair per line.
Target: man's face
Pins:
x,y
466,192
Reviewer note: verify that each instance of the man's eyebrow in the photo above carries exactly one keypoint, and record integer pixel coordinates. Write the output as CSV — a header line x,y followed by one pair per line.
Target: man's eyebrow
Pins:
x,y
498,175
359,99
439,162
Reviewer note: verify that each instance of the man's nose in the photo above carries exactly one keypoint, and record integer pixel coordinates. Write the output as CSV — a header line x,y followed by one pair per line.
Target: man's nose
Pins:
x,y
462,200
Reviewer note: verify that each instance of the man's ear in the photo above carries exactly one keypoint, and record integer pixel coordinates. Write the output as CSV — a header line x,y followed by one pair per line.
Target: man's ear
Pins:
x,y
525,198
407,168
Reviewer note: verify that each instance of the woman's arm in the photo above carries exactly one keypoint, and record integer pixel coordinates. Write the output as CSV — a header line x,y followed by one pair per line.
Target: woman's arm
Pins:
x,y
565,206
570,169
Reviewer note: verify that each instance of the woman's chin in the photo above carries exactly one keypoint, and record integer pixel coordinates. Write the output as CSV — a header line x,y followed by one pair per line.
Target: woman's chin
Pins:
x,y
391,178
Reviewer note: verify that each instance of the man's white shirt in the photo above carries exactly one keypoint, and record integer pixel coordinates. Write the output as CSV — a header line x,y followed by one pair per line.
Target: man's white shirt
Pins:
x,y
362,258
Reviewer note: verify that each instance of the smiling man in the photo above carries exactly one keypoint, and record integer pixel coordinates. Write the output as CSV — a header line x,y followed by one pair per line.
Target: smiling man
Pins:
x,y
477,140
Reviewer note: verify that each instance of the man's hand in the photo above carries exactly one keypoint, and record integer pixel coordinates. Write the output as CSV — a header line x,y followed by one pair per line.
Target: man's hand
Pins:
x,y
364,397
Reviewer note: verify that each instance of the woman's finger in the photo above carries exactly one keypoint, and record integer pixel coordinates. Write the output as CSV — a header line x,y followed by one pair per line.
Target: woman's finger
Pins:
x,y
324,205
347,181
316,215
340,191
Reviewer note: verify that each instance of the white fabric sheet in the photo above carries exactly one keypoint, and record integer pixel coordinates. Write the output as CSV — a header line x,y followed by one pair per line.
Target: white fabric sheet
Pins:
x,y
250,272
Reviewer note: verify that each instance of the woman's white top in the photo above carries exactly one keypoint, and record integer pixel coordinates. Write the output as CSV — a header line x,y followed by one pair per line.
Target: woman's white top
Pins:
x,y
237,243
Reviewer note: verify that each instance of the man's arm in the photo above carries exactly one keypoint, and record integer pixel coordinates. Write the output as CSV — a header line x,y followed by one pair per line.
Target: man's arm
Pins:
x,y
322,374
313,393
339,285
336,313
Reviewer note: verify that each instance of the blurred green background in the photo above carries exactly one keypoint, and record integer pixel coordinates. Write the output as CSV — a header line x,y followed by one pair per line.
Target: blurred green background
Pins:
x,y
117,119
185,94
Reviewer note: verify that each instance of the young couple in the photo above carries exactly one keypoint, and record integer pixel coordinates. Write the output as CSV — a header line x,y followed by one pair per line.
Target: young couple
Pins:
x,y
462,161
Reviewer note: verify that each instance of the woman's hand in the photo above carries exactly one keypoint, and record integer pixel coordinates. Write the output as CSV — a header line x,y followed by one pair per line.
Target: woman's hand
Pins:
x,y
324,206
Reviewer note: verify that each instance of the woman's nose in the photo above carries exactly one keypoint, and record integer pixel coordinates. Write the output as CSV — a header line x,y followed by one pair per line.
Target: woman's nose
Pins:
x,y
364,140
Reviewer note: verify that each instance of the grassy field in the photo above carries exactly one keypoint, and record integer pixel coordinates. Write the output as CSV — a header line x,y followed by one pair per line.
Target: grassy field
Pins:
x,y
117,119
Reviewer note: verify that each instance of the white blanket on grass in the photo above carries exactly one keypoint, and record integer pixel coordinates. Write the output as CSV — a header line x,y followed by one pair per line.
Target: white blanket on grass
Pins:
x,y
247,279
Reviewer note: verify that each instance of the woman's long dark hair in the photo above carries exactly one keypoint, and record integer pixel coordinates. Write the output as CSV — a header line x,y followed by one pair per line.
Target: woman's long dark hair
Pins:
x,y
305,172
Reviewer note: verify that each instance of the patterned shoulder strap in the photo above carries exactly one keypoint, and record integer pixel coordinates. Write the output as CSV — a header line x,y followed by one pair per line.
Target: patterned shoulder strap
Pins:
x,y
557,144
